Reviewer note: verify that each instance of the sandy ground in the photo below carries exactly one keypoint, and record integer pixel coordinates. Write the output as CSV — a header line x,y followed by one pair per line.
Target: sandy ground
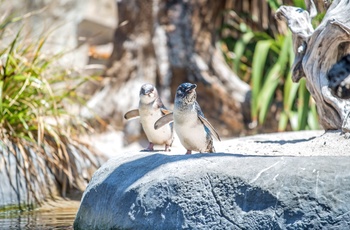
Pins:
x,y
301,143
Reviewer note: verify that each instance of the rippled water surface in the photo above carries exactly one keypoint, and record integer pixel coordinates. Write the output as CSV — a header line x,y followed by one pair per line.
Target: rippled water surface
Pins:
x,y
49,217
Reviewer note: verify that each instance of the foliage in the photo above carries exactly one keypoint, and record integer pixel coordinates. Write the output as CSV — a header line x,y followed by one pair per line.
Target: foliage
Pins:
x,y
267,61
31,113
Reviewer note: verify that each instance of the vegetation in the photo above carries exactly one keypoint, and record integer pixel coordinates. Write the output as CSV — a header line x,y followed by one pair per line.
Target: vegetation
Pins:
x,y
265,60
34,140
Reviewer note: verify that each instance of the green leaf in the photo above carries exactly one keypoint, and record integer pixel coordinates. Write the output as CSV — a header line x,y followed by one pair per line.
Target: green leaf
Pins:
x,y
239,49
12,48
284,52
267,92
283,121
312,119
290,93
259,59
1,90
299,3
293,119
274,4
303,105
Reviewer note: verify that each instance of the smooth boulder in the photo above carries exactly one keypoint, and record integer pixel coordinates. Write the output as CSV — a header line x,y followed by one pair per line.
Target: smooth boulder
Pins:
x,y
217,191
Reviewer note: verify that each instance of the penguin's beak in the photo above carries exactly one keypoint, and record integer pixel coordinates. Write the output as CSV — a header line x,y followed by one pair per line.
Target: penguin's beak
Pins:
x,y
191,88
148,92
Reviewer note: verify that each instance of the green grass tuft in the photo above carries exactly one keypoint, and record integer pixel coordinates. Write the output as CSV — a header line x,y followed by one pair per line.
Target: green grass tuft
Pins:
x,y
47,151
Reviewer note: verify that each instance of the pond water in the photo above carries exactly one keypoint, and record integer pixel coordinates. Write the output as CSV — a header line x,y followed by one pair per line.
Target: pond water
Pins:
x,y
58,215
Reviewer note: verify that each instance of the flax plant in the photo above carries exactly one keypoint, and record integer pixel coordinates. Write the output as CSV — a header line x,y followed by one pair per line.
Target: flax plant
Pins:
x,y
264,61
34,142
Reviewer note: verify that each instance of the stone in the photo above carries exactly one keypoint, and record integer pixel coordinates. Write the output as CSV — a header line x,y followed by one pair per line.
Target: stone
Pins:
x,y
98,22
226,190
72,27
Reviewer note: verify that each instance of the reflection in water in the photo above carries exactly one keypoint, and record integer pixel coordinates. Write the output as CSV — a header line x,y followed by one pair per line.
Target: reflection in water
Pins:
x,y
47,218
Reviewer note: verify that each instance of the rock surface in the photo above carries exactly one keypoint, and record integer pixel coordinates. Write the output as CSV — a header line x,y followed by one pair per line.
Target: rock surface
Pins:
x,y
82,30
260,185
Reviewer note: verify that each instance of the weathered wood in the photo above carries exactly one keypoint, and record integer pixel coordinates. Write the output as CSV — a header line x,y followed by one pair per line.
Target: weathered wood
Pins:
x,y
317,50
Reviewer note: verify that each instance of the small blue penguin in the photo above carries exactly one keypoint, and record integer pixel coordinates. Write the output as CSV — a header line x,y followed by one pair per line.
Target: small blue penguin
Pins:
x,y
193,129
151,108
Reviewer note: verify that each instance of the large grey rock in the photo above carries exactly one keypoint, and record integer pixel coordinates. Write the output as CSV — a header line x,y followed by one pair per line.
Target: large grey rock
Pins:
x,y
99,21
218,191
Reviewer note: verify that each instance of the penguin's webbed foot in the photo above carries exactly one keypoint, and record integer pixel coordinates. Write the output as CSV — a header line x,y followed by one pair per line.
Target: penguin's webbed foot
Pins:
x,y
167,148
150,147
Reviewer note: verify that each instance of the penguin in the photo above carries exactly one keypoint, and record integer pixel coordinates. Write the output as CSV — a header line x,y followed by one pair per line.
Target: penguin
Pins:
x,y
150,109
192,128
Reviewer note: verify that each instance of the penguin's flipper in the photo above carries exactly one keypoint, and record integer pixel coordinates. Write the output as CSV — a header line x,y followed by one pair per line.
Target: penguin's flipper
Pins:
x,y
165,111
210,127
132,114
166,119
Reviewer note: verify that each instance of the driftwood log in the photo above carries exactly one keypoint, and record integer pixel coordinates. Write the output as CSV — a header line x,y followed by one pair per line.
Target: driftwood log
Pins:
x,y
316,52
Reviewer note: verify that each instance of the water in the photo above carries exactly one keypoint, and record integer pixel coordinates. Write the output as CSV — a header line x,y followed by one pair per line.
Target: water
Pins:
x,y
57,215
